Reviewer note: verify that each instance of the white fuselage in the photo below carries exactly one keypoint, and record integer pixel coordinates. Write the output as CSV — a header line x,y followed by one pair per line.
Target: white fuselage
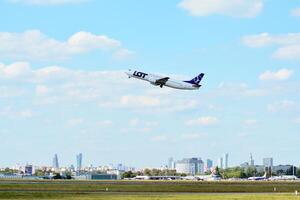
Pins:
x,y
152,78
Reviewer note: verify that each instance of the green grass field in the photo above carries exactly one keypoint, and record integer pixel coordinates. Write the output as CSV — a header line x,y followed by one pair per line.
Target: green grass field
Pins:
x,y
144,190
151,186
46,196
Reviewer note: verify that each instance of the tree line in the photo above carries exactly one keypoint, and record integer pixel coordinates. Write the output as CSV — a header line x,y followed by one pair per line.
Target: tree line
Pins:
x,y
234,172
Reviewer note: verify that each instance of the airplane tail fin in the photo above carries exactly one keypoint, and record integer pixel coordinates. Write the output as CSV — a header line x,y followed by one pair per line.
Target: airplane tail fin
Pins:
x,y
265,175
197,79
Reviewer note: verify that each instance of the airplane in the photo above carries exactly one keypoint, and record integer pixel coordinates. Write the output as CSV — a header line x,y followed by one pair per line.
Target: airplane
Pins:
x,y
162,81
284,178
259,178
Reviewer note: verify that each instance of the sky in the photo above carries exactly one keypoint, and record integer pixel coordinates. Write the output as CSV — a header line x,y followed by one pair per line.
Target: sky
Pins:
x,y
63,88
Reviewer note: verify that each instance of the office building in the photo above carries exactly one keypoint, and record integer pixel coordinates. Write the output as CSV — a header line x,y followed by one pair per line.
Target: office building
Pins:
x,y
79,161
55,164
251,161
226,160
200,166
191,166
220,163
171,163
209,165
268,162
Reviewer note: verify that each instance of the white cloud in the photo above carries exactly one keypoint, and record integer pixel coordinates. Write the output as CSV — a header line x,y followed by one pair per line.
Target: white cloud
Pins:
x,y
239,89
84,41
289,44
206,121
280,75
139,101
234,8
134,122
288,52
260,40
151,124
297,120
159,138
157,103
11,91
22,71
105,123
140,126
285,105
8,112
75,121
265,39
295,12
47,2
25,114
250,122
52,73
34,45
192,136
123,54
243,134
15,70
41,90
55,84
137,125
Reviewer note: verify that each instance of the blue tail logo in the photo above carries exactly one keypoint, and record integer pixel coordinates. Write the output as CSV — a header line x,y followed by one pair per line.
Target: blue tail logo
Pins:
x,y
196,80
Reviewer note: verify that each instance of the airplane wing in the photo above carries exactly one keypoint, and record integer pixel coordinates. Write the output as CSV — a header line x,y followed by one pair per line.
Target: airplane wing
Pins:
x,y
162,81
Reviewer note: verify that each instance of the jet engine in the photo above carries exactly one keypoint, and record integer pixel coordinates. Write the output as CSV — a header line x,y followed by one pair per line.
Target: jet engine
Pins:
x,y
153,81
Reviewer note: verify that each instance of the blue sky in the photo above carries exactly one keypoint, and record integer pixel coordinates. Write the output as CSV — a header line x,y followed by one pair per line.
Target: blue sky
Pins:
x,y
63,89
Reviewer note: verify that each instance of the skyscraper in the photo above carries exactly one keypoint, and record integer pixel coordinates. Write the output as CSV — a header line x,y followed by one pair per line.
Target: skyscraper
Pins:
x,y
171,163
226,160
220,163
55,164
209,165
79,161
251,162
268,162
200,166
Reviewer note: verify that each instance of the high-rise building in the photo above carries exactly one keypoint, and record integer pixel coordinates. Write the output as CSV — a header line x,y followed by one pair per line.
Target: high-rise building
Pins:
x,y
209,165
190,166
55,164
200,166
268,162
171,163
220,163
251,162
226,160
79,161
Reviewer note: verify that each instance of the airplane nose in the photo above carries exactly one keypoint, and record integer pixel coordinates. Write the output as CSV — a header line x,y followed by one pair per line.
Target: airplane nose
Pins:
x,y
128,74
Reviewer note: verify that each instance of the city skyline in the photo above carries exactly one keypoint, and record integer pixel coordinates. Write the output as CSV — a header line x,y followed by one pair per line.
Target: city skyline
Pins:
x,y
63,88
207,163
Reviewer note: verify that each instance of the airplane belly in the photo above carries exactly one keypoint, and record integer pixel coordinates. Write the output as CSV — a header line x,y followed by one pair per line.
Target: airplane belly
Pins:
x,y
172,85
180,86
175,85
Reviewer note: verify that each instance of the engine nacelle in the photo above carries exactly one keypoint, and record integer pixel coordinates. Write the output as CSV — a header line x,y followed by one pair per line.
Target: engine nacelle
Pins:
x,y
153,81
